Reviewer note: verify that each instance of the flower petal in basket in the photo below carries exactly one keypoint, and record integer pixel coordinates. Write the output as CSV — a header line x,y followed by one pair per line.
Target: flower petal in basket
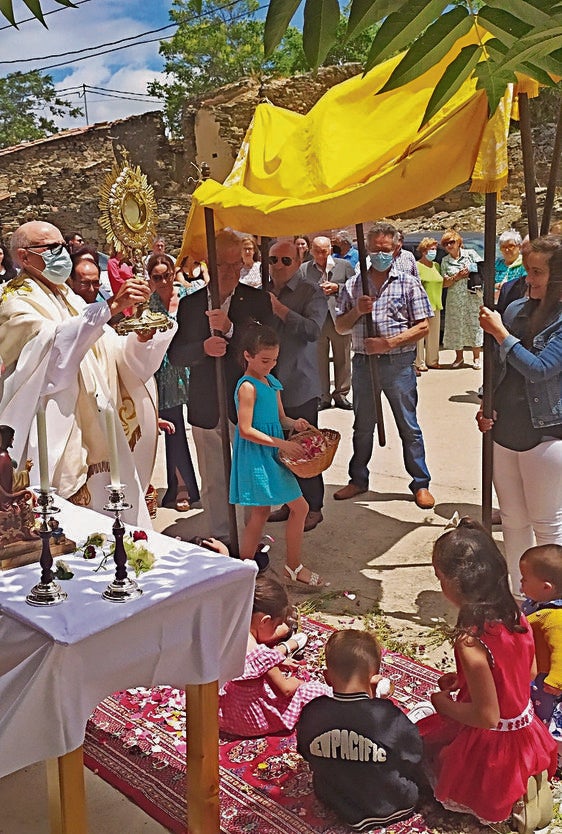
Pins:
x,y
319,447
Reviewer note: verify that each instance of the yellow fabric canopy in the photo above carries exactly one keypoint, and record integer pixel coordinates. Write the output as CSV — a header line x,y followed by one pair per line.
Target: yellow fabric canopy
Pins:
x,y
357,156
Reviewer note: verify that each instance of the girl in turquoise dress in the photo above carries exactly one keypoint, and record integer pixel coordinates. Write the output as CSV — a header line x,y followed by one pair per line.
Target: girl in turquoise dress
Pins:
x,y
258,478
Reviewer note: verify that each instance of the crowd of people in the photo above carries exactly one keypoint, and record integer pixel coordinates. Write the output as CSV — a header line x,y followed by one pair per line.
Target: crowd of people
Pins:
x,y
276,330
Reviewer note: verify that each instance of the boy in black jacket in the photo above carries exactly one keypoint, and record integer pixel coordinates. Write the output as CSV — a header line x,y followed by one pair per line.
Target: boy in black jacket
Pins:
x,y
363,751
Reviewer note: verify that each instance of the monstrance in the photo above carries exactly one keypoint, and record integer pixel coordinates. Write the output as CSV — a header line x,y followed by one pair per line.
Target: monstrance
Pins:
x,y
128,217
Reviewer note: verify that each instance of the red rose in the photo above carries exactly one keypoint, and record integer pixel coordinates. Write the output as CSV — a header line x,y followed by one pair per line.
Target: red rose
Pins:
x,y
139,536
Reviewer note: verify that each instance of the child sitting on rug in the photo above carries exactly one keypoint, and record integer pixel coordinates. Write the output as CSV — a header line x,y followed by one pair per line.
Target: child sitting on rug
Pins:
x,y
541,583
363,751
264,699
486,752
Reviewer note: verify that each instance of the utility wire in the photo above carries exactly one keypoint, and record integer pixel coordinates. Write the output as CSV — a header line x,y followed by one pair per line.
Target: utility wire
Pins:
x,y
53,11
194,19
89,48
79,91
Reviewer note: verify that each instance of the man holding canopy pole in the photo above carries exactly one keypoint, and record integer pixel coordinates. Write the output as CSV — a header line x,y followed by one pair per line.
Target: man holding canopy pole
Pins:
x,y
399,308
206,332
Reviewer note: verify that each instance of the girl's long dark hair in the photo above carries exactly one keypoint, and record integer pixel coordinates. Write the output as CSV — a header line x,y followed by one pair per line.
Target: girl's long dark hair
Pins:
x,y
254,338
551,247
469,558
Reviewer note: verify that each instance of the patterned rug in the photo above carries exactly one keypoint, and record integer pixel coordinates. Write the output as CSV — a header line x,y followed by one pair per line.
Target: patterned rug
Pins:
x,y
135,740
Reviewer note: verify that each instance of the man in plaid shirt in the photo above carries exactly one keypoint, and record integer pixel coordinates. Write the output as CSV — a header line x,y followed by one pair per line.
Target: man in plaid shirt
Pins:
x,y
400,310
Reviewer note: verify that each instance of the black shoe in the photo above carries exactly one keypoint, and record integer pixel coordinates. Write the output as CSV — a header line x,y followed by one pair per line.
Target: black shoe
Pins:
x,y
343,402
261,557
313,519
282,514
323,404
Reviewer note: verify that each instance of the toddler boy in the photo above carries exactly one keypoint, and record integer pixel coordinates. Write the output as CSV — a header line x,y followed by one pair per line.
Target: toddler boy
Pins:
x,y
363,751
541,583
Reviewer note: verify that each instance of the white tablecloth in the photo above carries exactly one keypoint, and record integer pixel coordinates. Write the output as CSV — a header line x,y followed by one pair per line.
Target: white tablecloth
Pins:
x,y
190,626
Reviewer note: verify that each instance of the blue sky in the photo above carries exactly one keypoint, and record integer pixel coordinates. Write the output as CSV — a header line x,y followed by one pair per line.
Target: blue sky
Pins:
x,y
92,23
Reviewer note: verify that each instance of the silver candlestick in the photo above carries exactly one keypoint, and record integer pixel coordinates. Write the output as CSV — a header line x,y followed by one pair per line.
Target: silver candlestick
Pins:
x,y
122,589
47,591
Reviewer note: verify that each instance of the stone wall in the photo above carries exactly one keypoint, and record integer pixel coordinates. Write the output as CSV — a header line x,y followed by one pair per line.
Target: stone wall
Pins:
x,y
58,179
216,126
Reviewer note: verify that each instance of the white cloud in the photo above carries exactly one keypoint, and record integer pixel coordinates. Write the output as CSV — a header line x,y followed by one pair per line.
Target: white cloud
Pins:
x,y
93,23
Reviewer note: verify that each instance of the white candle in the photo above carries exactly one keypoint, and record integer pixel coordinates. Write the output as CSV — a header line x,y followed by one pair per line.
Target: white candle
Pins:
x,y
42,450
112,447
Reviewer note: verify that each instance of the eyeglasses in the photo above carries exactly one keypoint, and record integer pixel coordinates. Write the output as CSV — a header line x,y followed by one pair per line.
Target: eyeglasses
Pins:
x,y
285,260
449,242
165,277
92,285
55,248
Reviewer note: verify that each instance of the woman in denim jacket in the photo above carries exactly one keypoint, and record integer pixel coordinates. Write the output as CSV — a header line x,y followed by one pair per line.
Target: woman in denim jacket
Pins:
x,y
527,424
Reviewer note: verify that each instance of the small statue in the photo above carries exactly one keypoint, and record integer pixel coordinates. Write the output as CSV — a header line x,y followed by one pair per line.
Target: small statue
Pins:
x,y
17,522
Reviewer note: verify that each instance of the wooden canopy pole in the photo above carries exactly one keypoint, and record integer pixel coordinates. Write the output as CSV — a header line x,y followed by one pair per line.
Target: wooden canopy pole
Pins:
x,y
487,396
264,252
528,164
375,381
219,364
553,176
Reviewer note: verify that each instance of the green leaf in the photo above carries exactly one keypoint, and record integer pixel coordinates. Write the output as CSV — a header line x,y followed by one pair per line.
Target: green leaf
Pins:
x,y
7,10
401,28
34,7
533,12
365,13
430,48
538,74
321,18
503,25
279,15
452,79
494,80
534,45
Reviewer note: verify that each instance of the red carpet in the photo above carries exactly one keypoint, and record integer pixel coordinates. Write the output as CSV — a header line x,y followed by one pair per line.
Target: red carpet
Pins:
x,y
135,740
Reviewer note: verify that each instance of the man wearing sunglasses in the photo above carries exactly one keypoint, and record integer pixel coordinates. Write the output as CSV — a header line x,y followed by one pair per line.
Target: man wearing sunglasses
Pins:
x,y
60,355
300,310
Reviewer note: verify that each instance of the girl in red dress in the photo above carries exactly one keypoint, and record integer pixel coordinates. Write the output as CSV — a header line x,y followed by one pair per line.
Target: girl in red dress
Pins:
x,y
486,751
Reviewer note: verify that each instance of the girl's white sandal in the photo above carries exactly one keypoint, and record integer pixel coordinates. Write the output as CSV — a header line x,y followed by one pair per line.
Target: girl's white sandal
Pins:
x,y
315,580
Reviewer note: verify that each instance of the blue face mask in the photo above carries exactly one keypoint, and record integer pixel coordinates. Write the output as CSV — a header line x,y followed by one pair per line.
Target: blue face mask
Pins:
x,y
381,261
57,267
430,254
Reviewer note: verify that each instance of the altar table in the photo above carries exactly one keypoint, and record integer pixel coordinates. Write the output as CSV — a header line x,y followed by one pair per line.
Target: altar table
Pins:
x,y
190,626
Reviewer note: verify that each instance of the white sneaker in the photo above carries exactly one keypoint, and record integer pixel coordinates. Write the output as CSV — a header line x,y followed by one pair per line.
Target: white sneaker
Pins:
x,y
421,710
477,364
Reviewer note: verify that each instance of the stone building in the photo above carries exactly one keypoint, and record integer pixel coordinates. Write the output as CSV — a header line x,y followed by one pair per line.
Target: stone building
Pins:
x,y
59,178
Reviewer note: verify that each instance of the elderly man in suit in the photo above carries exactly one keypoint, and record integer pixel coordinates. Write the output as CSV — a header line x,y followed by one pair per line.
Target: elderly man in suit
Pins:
x,y
330,274
203,334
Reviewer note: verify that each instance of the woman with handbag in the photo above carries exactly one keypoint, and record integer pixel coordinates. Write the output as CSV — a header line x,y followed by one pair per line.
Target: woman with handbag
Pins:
x,y
462,329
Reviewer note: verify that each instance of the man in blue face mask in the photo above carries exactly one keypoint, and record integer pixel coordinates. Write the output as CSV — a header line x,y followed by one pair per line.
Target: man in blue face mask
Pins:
x,y
400,310
61,356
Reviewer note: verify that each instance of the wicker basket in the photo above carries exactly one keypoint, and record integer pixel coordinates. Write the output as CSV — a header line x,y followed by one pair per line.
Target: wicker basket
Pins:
x,y
321,461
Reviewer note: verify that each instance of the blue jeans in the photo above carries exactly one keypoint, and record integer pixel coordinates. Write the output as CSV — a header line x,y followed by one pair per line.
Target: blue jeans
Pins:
x,y
398,382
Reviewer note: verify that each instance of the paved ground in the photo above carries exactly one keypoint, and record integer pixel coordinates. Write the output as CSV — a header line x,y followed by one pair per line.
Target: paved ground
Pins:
x,y
378,546
375,551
